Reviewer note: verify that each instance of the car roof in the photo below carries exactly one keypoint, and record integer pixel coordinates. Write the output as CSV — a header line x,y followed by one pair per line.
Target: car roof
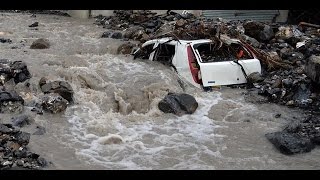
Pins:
x,y
197,41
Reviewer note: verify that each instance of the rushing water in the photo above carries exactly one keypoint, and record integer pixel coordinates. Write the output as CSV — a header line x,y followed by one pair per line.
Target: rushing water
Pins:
x,y
115,122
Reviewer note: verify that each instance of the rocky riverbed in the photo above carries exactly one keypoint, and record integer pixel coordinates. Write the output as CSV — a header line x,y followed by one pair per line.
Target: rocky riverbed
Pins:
x,y
88,107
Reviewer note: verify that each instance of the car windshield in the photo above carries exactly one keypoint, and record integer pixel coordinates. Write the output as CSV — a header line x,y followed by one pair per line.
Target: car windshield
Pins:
x,y
212,52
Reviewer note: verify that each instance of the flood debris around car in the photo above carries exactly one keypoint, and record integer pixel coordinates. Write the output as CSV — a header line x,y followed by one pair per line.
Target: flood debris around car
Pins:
x,y
278,62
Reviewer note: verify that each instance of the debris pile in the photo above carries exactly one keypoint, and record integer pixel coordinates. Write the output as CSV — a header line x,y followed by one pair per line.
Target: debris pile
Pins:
x,y
289,54
14,151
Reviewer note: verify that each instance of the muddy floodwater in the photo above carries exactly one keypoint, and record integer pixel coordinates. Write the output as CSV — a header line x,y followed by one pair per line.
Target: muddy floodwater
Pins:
x,y
115,122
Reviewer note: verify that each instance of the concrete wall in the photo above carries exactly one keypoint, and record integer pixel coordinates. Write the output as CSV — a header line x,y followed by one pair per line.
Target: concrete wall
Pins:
x,y
79,13
283,16
110,12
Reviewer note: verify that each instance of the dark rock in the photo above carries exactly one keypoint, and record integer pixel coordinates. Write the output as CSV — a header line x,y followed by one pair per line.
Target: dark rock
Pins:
x,y
277,83
3,40
37,110
20,71
116,35
258,30
32,155
4,129
42,162
255,77
287,82
21,153
187,102
10,102
125,48
106,34
22,138
40,131
277,115
54,103
252,41
181,23
35,24
178,104
290,144
129,32
302,95
266,34
19,162
63,88
312,68
22,120
40,44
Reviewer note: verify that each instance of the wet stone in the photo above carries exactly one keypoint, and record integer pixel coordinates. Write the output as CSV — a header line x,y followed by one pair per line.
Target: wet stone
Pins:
x,y
54,103
63,88
35,24
178,104
290,144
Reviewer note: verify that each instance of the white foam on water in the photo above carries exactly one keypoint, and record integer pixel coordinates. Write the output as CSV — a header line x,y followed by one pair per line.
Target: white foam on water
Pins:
x,y
145,143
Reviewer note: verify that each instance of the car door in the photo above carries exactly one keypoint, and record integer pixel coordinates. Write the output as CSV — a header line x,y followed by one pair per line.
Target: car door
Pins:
x,y
226,72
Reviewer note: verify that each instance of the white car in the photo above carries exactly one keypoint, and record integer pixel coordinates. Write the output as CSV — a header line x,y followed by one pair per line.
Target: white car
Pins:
x,y
203,63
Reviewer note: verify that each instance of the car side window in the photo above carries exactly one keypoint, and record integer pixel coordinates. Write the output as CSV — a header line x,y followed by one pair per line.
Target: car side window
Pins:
x,y
164,53
144,53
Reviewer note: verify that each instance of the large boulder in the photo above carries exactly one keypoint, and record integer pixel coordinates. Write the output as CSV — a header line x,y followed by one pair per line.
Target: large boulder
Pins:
x,y
258,30
178,104
40,44
312,68
289,143
63,88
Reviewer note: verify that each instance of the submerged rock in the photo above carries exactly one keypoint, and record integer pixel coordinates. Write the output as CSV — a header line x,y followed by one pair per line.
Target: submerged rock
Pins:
x,y
178,104
22,120
40,44
35,24
39,130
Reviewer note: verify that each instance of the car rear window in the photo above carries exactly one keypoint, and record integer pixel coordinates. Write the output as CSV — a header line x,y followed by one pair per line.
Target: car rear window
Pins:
x,y
211,52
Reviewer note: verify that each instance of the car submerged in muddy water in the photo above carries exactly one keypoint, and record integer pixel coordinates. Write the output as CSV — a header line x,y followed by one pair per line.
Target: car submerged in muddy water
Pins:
x,y
204,63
